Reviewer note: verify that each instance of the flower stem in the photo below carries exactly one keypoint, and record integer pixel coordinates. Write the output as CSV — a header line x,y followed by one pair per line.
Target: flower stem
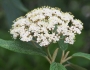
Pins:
x,y
53,57
48,59
66,54
63,52
65,57
48,52
67,65
54,54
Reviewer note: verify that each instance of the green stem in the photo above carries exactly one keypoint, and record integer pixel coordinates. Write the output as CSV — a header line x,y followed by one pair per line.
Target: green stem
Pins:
x,y
66,54
64,57
67,65
49,55
51,58
63,52
48,59
55,54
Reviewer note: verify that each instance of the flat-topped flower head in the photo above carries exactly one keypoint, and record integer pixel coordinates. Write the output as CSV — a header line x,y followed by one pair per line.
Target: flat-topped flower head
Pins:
x,y
46,25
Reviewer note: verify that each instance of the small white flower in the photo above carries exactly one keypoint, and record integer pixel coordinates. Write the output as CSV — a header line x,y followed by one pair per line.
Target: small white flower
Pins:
x,y
45,25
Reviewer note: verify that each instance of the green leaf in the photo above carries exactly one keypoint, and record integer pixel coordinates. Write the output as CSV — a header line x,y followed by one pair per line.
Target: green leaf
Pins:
x,y
12,10
57,66
80,54
76,67
61,44
21,47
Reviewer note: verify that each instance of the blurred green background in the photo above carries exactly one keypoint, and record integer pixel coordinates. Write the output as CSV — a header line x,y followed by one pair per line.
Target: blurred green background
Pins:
x,y
11,9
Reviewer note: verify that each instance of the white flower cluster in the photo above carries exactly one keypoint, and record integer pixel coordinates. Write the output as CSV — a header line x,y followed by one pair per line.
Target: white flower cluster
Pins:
x,y
45,25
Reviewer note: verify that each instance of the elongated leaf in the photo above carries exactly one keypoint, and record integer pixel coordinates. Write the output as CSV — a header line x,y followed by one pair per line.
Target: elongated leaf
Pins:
x,y
62,45
76,67
21,47
80,54
57,66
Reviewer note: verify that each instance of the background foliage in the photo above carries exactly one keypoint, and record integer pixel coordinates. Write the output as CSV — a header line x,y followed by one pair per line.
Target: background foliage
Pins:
x,y
11,9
